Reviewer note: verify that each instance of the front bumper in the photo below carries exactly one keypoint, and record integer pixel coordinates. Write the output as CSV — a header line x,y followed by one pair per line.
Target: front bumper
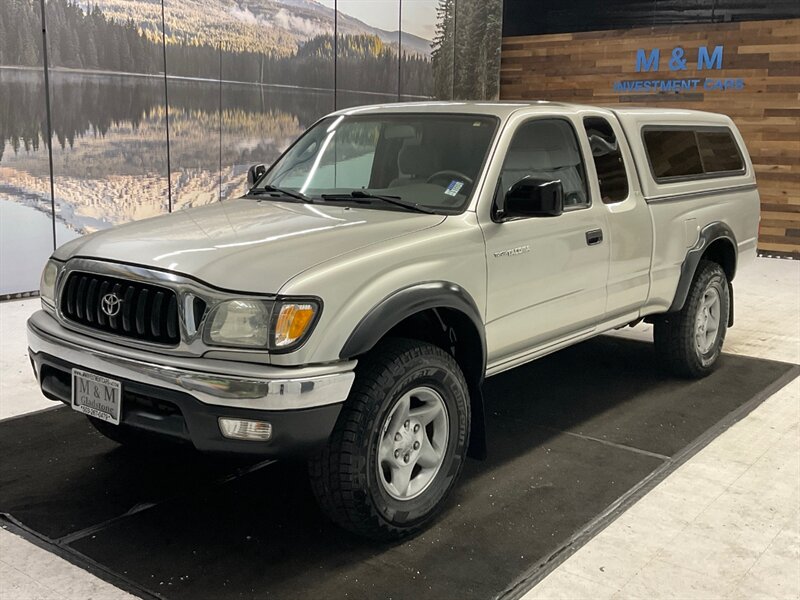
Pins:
x,y
183,398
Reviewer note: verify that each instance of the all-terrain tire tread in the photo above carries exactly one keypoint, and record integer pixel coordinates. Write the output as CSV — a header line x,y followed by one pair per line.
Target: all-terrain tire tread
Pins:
x,y
673,334
333,470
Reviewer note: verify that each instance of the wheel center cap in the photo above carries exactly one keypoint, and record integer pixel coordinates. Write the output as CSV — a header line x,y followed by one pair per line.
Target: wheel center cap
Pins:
x,y
408,442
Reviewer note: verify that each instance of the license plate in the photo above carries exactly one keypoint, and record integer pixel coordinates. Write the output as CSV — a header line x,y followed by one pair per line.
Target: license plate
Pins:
x,y
96,396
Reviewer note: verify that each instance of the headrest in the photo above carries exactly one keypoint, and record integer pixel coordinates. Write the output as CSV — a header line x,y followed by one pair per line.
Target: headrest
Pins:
x,y
600,146
518,160
551,145
416,159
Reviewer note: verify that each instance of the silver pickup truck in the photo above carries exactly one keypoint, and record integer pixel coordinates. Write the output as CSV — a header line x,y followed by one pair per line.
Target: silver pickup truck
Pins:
x,y
350,305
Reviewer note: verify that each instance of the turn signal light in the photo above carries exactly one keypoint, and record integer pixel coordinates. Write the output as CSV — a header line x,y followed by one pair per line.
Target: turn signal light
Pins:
x,y
292,323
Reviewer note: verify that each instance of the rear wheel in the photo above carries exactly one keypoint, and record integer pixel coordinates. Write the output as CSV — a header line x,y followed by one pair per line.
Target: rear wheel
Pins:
x,y
399,444
689,341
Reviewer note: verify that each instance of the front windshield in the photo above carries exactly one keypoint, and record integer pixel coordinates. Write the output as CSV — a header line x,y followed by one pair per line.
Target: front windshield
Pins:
x,y
431,160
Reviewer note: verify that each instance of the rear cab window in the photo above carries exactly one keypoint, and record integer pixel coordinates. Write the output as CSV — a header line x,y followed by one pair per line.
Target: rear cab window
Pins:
x,y
685,153
607,155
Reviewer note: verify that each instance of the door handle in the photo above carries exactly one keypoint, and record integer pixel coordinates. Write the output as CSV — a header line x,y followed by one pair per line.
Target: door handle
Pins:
x,y
594,237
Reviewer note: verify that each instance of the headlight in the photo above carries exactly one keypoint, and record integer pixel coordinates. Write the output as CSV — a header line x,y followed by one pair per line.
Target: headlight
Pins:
x,y
47,285
278,325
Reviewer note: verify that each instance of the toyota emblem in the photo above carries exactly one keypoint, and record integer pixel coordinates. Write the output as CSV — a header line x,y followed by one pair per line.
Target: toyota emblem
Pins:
x,y
111,304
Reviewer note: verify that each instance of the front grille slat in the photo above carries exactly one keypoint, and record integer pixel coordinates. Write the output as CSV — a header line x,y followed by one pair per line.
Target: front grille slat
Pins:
x,y
127,308
80,298
91,300
101,316
143,311
69,291
155,314
172,317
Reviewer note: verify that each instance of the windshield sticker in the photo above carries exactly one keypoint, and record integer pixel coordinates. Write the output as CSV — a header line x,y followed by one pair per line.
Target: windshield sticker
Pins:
x,y
454,187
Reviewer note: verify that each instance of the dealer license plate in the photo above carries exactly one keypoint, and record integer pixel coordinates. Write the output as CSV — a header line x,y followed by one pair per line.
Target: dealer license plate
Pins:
x,y
96,396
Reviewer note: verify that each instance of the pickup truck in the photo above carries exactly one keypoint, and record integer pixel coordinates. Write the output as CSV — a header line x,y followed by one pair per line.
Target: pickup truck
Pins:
x,y
348,307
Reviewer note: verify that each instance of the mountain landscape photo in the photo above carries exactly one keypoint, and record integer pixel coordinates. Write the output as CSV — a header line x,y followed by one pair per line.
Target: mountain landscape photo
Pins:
x,y
233,81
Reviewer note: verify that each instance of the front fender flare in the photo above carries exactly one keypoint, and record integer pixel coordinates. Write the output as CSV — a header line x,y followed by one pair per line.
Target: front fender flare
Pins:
x,y
408,301
405,302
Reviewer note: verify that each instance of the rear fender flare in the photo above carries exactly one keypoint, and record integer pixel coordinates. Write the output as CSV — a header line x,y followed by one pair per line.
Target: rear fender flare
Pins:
x,y
708,235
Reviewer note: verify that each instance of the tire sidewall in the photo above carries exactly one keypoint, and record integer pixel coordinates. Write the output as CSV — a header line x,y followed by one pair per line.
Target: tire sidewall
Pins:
x,y
714,278
433,372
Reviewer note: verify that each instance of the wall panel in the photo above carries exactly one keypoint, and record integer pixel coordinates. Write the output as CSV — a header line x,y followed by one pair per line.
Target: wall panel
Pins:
x,y
764,55
108,114
26,218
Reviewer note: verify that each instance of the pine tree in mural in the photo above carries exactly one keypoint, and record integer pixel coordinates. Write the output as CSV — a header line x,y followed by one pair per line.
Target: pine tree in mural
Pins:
x,y
442,49
466,49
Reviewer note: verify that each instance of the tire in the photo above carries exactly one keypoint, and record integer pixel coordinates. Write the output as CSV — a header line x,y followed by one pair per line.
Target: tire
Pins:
x,y
684,341
358,477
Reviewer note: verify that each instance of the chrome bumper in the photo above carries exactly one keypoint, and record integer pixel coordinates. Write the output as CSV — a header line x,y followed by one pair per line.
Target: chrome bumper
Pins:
x,y
213,382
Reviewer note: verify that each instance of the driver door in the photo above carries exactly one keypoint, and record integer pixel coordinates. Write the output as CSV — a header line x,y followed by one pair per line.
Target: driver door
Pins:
x,y
546,275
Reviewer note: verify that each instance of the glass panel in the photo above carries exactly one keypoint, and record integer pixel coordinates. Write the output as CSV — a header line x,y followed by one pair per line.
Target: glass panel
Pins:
x,y
611,173
430,159
108,113
478,34
547,149
719,151
673,153
193,39
270,97
26,218
366,61
418,24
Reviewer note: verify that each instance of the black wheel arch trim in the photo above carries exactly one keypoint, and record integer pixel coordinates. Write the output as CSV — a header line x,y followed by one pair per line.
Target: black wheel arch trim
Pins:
x,y
414,299
408,301
708,235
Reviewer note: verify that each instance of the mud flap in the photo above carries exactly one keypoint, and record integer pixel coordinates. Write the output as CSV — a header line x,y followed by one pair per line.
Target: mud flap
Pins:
x,y
477,438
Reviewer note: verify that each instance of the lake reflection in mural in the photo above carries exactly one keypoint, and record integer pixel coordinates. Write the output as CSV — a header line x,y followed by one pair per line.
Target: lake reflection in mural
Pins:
x,y
152,115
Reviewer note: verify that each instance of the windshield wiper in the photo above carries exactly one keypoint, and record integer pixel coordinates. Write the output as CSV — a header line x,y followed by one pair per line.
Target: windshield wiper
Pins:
x,y
267,189
395,200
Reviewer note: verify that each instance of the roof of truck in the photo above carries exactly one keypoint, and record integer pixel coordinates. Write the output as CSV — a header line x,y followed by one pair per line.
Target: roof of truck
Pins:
x,y
499,108
505,108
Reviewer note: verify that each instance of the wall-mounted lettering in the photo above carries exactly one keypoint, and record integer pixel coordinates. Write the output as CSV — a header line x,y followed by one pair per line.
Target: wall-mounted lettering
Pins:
x,y
677,60
650,61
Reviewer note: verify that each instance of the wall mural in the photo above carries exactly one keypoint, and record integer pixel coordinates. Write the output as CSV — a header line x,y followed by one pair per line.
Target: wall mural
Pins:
x,y
159,105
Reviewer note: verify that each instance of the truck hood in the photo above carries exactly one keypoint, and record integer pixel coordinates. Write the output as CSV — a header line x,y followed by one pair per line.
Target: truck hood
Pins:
x,y
245,244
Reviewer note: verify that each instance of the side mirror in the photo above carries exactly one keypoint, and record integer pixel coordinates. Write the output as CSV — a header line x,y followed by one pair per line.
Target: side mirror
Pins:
x,y
255,173
531,197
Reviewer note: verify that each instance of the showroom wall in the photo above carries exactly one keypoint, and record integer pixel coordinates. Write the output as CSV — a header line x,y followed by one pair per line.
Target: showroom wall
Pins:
x,y
737,57
157,105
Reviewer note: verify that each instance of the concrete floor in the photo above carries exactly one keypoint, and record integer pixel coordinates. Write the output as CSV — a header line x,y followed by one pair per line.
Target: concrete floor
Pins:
x,y
724,525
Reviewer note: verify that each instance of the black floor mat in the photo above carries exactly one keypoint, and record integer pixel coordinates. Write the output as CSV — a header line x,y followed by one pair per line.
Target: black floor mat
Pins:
x,y
568,436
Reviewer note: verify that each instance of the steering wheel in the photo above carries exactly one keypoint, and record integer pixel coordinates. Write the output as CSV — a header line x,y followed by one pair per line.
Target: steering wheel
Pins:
x,y
450,176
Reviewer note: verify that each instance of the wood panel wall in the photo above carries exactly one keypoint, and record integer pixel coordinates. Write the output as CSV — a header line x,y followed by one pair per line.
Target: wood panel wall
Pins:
x,y
582,68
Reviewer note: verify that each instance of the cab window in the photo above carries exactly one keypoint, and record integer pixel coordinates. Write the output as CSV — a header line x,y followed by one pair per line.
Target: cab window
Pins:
x,y
546,149
608,162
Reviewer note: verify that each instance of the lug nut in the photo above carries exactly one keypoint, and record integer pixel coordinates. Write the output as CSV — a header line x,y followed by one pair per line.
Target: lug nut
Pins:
x,y
407,424
397,437
397,453
416,428
406,458
416,445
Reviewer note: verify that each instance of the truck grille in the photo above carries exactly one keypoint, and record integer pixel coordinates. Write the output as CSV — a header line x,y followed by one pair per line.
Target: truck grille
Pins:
x,y
144,311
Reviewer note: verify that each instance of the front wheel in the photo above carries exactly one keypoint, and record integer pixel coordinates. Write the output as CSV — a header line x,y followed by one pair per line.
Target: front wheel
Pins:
x,y
689,341
399,444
